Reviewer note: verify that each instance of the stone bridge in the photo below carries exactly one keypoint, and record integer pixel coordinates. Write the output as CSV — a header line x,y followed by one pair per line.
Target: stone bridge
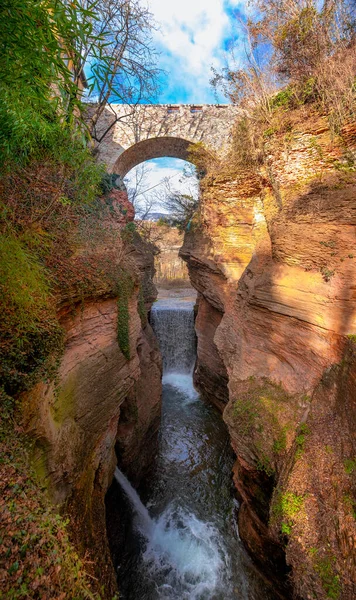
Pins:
x,y
144,132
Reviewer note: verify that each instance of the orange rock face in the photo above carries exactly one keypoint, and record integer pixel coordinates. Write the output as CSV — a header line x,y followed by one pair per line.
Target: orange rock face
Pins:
x,y
100,402
123,209
274,262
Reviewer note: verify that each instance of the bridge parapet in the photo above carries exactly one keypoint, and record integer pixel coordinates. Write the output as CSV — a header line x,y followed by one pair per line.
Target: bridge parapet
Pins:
x,y
208,123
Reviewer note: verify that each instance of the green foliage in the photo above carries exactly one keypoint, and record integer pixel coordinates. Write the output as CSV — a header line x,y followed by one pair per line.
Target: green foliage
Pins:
x,y
286,508
286,529
109,182
269,132
284,99
327,273
124,288
352,337
38,93
39,554
300,439
291,504
350,465
351,503
329,244
280,443
128,232
307,47
163,222
330,580
264,464
29,330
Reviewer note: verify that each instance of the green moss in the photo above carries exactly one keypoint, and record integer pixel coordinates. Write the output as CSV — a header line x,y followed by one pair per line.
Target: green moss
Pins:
x,y
30,335
264,414
280,443
38,460
23,279
329,579
65,400
124,288
246,411
300,439
350,465
352,337
285,509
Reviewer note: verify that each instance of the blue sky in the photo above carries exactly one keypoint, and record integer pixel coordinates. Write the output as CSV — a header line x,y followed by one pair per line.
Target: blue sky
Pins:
x,y
191,37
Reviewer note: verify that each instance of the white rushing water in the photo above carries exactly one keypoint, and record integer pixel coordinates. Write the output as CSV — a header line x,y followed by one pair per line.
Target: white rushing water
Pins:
x,y
186,546
173,323
183,549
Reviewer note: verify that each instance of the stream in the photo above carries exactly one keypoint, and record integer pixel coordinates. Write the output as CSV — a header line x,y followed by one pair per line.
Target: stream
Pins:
x,y
177,537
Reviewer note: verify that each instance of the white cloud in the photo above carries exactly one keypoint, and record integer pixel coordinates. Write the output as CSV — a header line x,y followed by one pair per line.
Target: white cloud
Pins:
x,y
191,30
151,184
191,38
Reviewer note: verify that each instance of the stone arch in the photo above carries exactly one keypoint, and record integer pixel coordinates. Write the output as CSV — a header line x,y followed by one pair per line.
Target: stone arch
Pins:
x,y
159,147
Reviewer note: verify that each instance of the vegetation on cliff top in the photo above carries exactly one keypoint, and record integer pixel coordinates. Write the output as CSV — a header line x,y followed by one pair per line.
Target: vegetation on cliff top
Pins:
x,y
300,55
297,92
59,243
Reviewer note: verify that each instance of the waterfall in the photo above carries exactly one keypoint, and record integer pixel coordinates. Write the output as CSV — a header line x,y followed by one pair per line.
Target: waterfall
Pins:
x,y
141,511
173,323
185,538
184,555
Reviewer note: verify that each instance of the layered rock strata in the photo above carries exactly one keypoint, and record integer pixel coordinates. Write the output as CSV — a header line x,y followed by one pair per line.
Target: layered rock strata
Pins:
x,y
273,257
104,401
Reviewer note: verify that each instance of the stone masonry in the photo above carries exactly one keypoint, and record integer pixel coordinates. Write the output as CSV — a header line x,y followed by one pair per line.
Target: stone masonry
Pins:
x,y
150,131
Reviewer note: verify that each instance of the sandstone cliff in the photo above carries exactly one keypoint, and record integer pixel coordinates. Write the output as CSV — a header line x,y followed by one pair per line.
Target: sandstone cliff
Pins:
x,y
273,256
104,402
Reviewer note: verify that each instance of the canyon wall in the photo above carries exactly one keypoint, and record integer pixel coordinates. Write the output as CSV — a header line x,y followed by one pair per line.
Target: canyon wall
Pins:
x,y
272,254
104,404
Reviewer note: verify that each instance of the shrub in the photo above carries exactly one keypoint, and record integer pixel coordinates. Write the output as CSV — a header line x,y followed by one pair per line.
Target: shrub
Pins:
x,y
308,48
29,330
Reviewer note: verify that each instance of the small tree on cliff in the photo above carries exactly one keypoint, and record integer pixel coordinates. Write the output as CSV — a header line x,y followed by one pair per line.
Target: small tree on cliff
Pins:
x,y
45,47
306,45
181,206
120,57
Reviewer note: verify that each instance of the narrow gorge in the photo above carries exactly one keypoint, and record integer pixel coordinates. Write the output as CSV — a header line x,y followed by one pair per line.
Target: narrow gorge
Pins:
x,y
178,338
